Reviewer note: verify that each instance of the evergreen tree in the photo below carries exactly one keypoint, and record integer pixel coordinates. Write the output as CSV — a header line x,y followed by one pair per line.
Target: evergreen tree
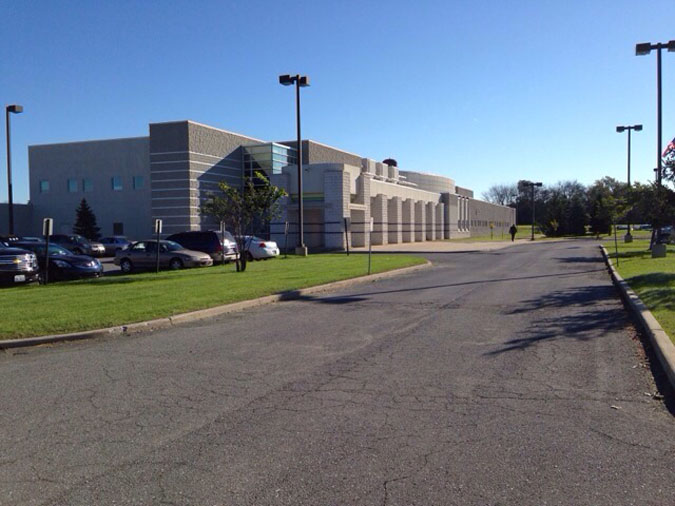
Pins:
x,y
85,222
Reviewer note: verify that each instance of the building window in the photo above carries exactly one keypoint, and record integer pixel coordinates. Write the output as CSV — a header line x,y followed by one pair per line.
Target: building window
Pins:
x,y
44,186
138,182
116,183
87,185
72,186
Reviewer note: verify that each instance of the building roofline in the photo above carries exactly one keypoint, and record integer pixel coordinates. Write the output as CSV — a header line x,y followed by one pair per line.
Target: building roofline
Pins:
x,y
208,126
322,144
89,140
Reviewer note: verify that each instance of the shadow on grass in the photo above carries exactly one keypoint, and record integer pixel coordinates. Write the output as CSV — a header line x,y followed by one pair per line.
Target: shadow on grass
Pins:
x,y
656,290
595,317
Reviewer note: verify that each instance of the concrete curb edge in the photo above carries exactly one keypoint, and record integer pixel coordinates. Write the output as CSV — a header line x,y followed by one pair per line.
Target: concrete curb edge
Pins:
x,y
663,346
199,314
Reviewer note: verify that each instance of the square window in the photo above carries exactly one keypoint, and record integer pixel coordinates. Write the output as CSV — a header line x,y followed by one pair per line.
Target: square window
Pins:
x,y
72,185
116,183
138,182
87,185
44,186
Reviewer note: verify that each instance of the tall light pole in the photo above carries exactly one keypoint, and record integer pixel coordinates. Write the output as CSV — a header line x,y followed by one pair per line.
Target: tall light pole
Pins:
x,y
643,49
300,81
532,186
15,109
628,237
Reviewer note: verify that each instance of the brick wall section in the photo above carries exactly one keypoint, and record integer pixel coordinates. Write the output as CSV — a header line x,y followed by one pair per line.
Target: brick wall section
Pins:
x,y
379,209
481,214
420,221
336,200
430,209
439,210
408,224
395,218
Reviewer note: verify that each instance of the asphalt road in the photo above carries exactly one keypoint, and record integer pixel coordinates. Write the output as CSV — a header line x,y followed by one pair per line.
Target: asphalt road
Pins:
x,y
509,377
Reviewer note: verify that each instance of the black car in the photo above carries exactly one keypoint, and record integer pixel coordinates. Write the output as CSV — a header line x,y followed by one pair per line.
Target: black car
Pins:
x,y
78,244
221,247
17,265
62,263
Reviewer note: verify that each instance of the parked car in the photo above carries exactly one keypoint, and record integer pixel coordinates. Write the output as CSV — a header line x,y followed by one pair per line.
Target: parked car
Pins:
x,y
220,246
62,263
112,244
143,255
666,235
260,249
78,244
17,265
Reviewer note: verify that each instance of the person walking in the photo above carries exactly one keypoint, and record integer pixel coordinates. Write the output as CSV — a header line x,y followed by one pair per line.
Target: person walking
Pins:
x,y
513,231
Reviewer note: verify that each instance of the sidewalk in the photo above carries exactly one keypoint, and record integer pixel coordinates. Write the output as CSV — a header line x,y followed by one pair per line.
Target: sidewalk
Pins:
x,y
440,246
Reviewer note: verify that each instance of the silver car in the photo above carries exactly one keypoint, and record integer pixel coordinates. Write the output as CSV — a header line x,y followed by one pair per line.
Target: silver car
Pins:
x,y
143,255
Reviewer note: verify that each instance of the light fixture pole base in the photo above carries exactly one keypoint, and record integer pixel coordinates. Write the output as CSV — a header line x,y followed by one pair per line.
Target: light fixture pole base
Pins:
x,y
301,250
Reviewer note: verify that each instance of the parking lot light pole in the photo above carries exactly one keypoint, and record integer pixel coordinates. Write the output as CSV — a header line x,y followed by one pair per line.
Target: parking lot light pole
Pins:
x,y
299,81
644,49
628,237
15,109
532,186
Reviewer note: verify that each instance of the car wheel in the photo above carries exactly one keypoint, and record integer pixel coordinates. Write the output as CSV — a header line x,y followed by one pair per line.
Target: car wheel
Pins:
x,y
126,265
249,257
175,264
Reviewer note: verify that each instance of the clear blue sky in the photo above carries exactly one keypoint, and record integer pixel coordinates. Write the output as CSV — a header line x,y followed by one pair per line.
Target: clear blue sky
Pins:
x,y
484,92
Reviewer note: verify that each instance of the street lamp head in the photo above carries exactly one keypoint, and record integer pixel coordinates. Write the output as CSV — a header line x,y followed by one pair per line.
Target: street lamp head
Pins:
x,y
671,46
620,129
538,184
643,48
303,81
637,128
14,108
286,80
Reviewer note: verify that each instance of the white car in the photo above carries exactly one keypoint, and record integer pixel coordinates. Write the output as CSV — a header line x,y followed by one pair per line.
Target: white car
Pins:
x,y
260,249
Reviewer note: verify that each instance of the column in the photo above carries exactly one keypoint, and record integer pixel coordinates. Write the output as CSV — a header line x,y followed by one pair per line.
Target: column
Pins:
x,y
408,221
431,221
378,210
395,218
420,221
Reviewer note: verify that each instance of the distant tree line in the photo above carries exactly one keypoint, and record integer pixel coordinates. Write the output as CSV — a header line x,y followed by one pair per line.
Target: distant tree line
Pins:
x,y
570,208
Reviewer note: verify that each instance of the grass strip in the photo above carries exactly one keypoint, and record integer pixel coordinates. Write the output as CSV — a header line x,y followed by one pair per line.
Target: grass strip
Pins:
x,y
35,310
653,279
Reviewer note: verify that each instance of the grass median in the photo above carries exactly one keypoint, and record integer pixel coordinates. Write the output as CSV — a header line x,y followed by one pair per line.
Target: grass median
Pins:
x,y
653,279
116,300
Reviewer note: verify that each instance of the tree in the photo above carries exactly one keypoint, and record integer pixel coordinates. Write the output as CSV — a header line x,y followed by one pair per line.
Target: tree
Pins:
x,y
502,194
605,204
85,222
240,208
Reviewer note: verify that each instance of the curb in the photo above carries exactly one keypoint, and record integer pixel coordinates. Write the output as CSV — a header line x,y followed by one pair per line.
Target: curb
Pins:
x,y
200,314
663,346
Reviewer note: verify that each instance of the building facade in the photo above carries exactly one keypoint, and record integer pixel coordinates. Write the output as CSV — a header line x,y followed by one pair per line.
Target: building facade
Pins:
x,y
130,182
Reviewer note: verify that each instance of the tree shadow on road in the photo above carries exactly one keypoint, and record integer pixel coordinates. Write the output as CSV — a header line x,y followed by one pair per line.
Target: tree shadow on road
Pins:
x,y
361,296
596,318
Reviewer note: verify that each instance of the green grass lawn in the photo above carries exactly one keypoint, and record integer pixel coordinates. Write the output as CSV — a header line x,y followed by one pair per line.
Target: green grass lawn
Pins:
x,y
653,279
115,300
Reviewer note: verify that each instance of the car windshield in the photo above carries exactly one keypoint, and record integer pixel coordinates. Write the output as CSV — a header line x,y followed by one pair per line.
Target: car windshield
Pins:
x,y
57,250
79,239
172,246
227,236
